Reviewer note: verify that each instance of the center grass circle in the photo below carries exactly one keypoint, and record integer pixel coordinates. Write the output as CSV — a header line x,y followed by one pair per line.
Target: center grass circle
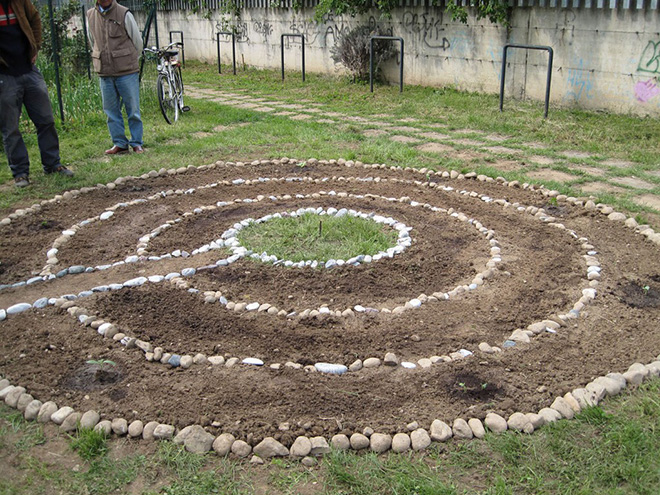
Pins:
x,y
319,236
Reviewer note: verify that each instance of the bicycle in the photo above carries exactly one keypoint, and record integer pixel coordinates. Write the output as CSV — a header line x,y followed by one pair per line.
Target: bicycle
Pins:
x,y
169,85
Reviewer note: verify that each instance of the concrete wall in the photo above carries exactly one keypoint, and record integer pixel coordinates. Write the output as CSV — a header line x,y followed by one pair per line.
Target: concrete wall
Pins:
x,y
603,59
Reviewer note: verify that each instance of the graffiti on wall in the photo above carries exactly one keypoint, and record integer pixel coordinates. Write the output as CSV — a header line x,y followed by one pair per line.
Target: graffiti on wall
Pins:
x,y
646,90
323,34
427,28
649,63
580,83
650,60
240,32
264,28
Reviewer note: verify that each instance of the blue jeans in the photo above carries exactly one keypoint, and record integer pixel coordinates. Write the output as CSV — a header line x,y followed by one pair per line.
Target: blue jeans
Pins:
x,y
116,91
28,90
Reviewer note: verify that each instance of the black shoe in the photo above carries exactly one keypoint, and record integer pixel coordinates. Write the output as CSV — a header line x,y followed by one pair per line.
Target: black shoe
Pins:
x,y
21,181
61,170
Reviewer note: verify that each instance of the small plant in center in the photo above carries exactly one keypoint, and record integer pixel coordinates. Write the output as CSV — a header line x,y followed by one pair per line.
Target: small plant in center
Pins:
x,y
101,363
315,237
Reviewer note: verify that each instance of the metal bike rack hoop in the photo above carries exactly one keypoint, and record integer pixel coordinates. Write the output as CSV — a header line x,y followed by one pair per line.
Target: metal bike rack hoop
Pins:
x,y
183,49
371,60
547,85
233,48
294,35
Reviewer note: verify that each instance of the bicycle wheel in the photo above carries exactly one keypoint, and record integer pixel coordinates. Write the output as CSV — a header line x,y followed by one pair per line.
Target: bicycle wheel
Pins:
x,y
167,99
178,85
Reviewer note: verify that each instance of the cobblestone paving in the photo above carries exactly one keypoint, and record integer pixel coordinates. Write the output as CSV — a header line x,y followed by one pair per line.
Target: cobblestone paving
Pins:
x,y
590,174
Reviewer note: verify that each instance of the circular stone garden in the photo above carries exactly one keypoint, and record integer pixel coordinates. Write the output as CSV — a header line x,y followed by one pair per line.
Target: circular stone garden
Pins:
x,y
141,300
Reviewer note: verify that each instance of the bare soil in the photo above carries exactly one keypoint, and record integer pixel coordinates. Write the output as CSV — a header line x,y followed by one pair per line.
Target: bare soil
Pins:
x,y
541,275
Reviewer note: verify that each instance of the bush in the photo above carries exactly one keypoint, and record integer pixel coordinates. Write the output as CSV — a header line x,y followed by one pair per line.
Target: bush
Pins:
x,y
352,51
70,42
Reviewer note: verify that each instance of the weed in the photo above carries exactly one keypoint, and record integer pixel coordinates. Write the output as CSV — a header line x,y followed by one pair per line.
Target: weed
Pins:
x,y
89,443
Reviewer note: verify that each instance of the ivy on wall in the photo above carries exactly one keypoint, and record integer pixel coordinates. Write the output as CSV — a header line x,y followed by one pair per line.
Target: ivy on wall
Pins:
x,y
496,11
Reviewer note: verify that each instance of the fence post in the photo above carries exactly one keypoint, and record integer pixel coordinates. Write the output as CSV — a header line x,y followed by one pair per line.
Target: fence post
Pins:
x,y
183,48
302,38
548,77
233,48
56,59
371,60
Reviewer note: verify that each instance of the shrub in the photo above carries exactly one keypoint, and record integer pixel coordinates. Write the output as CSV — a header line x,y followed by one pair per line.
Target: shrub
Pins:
x,y
352,51
70,42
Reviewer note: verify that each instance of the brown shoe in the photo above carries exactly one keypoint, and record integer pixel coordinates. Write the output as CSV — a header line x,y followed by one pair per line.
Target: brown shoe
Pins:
x,y
116,150
138,149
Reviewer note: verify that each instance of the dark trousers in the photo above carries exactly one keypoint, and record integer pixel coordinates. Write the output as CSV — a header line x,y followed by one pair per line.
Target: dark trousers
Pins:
x,y
28,90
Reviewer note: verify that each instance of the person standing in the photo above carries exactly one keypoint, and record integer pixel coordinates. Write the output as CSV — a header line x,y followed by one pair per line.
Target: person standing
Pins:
x,y
116,48
21,84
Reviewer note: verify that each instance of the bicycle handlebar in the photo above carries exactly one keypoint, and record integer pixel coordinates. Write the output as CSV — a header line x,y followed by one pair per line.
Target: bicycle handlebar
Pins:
x,y
159,51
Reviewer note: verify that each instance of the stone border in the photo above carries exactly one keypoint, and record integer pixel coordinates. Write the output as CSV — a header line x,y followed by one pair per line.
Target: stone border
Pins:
x,y
196,439
173,359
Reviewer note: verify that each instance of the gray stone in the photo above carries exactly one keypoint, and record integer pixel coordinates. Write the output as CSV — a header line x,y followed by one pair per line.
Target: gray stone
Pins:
x,y
11,398
536,420
562,407
164,432
440,431
104,427
461,429
23,401
198,440
222,444
355,365
359,441
32,410
340,442
517,421
400,443
391,359
495,423
319,446
240,448
89,420
585,397
477,428
61,414
46,411
269,447
135,429
149,428
71,422
371,362
301,447
571,401
597,390
634,376
380,442
420,439
255,459
119,426
309,462
549,415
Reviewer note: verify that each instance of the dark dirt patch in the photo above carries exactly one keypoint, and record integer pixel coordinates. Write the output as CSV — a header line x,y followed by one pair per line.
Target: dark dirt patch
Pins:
x,y
541,275
642,295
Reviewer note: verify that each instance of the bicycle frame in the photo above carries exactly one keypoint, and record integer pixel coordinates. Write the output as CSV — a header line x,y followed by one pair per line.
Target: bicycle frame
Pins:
x,y
169,85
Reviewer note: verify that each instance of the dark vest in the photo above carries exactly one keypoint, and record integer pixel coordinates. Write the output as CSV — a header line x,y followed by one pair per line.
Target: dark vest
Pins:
x,y
113,53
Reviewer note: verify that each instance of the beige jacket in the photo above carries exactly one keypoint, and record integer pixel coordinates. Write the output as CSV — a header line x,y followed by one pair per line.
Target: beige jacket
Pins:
x,y
116,41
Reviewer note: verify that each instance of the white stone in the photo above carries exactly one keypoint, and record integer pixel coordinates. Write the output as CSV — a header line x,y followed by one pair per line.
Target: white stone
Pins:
x,y
440,431
477,427
461,429
495,423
